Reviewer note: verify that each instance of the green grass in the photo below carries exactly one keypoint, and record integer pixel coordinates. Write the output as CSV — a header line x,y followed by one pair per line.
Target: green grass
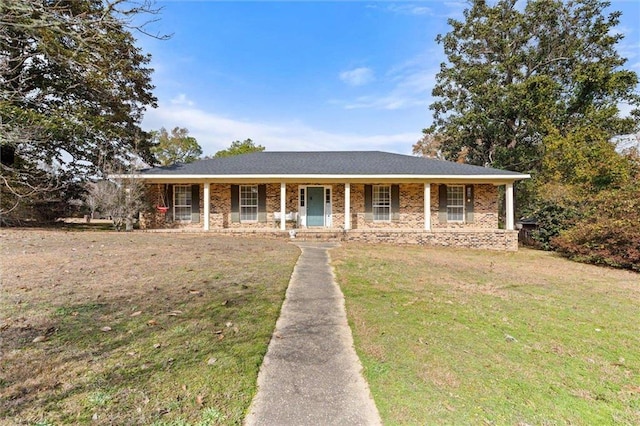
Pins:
x,y
471,337
189,316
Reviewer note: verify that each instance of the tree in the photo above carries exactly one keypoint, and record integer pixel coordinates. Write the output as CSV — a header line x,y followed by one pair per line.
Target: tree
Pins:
x,y
121,199
73,89
513,77
431,146
237,148
176,147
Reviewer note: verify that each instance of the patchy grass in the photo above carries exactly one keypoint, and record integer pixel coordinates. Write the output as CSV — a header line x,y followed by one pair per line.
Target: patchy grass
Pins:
x,y
452,336
142,328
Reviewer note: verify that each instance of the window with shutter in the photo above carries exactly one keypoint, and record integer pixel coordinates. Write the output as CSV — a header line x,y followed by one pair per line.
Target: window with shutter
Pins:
x,y
182,202
455,203
381,203
248,203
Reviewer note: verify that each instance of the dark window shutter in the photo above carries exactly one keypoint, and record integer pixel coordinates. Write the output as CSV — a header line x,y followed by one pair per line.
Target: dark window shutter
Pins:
x,y
235,203
442,203
169,200
468,203
368,202
262,203
395,202
195,203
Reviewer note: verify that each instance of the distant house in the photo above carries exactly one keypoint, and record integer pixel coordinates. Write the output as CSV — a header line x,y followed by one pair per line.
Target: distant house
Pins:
x,y
353,196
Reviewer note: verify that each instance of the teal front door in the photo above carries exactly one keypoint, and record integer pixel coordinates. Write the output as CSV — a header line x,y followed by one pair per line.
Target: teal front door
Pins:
x,y
315,206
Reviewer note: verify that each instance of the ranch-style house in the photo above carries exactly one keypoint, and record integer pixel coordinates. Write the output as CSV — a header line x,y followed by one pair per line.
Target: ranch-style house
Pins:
x,y
351,196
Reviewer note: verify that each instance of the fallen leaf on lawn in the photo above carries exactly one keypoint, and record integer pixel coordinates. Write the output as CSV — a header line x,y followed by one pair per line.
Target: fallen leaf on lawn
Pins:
x,y
152,322
218,332
225,303
184,388
135,314
212,361
199,399
174,313
131,353
220,336
195,292
107,328
157,345
39,339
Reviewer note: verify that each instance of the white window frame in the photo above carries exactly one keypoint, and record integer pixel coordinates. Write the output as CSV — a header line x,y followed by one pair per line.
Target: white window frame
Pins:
x,y
182,204
456,203
248,203
381,203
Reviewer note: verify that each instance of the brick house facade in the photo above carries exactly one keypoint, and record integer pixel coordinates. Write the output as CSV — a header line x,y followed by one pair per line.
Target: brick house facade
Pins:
x,y
363,196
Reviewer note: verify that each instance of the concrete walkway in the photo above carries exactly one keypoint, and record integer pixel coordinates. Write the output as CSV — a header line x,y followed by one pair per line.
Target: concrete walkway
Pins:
x,y
311,374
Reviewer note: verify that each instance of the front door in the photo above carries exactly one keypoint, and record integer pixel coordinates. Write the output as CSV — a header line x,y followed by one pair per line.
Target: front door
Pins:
x,y
315,206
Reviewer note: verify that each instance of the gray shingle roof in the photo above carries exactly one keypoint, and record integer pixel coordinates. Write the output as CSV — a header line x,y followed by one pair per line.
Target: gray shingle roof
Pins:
x,y
350,163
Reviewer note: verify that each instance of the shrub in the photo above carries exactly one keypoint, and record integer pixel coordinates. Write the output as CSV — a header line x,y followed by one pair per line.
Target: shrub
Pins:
x,y
609,234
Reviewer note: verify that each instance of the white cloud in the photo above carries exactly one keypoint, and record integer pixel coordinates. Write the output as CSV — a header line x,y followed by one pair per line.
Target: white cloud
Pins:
x,y
410,85
181,99
215,132
403,9
357,76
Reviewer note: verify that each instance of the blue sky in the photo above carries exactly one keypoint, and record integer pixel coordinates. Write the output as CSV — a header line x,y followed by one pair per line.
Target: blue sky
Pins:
x,y
299,75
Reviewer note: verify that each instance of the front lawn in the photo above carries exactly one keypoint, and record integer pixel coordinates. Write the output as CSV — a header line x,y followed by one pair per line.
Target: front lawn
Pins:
x,y
108,328
449,336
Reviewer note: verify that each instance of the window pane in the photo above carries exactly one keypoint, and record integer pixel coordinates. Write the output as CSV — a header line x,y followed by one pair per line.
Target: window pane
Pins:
x,y
381,203
248,202
454,213
455,203
182,195
248,213
182,202
183,213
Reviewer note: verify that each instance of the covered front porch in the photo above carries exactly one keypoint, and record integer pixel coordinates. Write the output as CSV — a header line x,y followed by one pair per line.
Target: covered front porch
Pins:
x,y
427,213
344,206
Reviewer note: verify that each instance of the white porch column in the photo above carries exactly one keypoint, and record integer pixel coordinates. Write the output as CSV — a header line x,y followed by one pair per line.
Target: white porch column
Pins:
x,y
509,206
427,206
207,204
347,206
283,206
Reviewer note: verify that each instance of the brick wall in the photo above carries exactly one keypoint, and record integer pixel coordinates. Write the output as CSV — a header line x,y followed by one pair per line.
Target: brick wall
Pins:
x,y
497,239
411,214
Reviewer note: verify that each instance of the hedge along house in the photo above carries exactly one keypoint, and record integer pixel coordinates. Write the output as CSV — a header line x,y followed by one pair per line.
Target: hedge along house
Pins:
x,y
359,196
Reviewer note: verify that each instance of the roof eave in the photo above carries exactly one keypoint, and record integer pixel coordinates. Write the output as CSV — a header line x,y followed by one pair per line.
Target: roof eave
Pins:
x,y
325,177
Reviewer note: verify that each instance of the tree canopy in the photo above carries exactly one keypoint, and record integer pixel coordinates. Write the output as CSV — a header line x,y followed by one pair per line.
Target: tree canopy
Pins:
x,y
536,90
237,148
74,87
175,147
513,77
